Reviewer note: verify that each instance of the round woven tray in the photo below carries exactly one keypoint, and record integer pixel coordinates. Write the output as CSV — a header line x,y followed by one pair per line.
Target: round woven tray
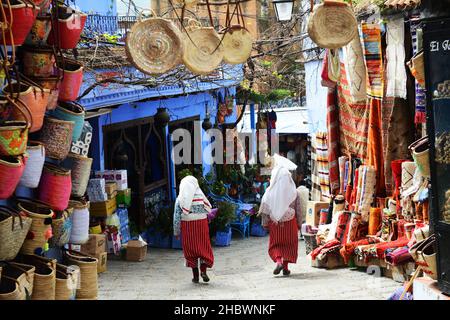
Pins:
x,y
203,51
332,25
154,46
237,44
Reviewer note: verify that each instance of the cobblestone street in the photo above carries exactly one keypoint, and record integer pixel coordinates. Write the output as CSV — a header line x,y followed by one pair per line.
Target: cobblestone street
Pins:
x,y
241,271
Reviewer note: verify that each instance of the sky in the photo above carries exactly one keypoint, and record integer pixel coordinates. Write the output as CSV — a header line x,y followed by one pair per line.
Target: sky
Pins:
x,y
122,6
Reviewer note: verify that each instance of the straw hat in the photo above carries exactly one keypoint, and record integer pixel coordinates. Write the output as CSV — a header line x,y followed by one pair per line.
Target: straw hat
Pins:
x,y
332,24
154,46
203,51
237,43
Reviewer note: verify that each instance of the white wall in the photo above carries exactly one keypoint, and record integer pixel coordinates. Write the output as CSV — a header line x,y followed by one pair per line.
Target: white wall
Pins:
x,y
316,96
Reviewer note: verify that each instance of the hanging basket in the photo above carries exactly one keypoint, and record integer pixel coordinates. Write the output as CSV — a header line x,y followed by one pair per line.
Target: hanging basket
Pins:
x,y
72,79
13,230
88,289
420,153
44,277
23,273
80,222
52,84
66,282
71,111
80,167
40,230
154,46
61,228
18,22
332,24
13,138
33,169
237,45
32,98
11,170
417,68
70,26
203,51
39,32
56,135
55,187
38,62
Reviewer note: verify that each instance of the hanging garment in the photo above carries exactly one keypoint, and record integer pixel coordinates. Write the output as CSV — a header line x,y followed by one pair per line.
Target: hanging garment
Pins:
x,y
356,70
323,165
420,116
395,56
326,81
333,140
353,120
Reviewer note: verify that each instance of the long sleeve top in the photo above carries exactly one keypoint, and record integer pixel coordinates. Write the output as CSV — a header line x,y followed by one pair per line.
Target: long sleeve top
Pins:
x,y
294,211
196,212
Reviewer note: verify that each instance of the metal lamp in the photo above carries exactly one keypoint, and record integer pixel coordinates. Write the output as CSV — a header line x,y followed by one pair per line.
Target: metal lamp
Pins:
x,y
283,9
162,117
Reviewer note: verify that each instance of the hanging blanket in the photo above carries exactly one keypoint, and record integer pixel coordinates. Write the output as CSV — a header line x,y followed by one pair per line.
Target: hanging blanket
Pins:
x,y
333,140
322,164
353,121
371,39
315,181
395,56
420,116
356,70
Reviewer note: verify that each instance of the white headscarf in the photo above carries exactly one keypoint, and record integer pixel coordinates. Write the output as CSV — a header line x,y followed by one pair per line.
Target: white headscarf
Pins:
x,y
280,193
188,189
280,161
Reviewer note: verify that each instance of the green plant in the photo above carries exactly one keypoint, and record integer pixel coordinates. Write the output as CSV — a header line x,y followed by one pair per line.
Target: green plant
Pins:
x,y
184,173
164,222
225,215
218,188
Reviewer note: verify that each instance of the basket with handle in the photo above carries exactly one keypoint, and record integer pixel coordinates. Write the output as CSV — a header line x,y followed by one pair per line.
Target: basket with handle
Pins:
x,y
23,273
13,231
88,289
66,282
61,228
10,289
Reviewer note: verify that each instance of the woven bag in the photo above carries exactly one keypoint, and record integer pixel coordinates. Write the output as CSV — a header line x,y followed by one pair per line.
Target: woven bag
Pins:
x,y
88,289
23,273
203,51
237,45
80,222
11,170
61,228
66,282
154,45
44,276
33,169
71,111
80,167
55,178
56,135
332,24
40,230
13,230
10,289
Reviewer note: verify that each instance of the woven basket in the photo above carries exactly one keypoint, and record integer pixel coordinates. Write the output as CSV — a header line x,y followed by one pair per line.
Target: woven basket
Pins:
x,y
71,111
13,230
61,228
80,167
10,289
420,153
44,276
23,273
66,283
237,45
55,178
88,274
33,169
203,51
154,45
417,68
40,230
80,222
11,170
56,135
332,24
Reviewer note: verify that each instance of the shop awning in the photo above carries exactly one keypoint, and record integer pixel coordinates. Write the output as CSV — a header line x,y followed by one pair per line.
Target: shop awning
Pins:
x,y
289,120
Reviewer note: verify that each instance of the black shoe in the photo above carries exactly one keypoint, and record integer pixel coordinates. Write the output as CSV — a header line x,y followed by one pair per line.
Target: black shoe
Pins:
x,y
286,272
204,277
195,280
278,269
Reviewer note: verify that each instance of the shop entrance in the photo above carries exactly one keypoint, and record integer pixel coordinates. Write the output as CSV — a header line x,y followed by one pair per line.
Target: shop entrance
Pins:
x,y
139,146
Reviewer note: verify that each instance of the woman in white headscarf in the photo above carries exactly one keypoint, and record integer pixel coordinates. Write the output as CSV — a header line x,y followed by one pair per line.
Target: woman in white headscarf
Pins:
x,y
190,219
281,213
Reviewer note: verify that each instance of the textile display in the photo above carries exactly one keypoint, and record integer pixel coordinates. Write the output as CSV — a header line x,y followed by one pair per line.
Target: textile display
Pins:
x,y
353,121
326,80
396,167
333,140
387,224
333,65
322,164
420,116
342,173
395,56
354,190
398,256
371,41
353,225
356,70
387,106
324,249
316,194
343,220
375,218
367,190
348,249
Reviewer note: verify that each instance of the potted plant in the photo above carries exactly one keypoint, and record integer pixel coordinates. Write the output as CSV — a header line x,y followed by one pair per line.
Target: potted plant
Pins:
x,y
256,229
221,223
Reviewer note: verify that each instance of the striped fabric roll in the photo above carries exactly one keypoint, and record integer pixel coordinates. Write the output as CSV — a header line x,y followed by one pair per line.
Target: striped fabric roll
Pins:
x,y
322,164
342,174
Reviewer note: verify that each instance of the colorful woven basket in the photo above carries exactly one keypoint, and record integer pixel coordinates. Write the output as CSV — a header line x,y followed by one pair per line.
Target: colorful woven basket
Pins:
x,y
71,111
33,169
80,167
55,178
56,135
11,170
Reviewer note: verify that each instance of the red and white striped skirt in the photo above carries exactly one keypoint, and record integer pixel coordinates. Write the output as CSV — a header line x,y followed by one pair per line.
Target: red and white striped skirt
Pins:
x,y
283,241
196,243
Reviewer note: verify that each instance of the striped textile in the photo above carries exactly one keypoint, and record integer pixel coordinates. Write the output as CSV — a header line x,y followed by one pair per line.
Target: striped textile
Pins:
x,y
353,121
420,116
342,174
333,140
322,164
196,243
371,40
283,241
315,181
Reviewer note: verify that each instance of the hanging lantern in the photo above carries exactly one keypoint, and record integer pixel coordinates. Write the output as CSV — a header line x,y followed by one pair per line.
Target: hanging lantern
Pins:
x,y
283,9
206,125
162,117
